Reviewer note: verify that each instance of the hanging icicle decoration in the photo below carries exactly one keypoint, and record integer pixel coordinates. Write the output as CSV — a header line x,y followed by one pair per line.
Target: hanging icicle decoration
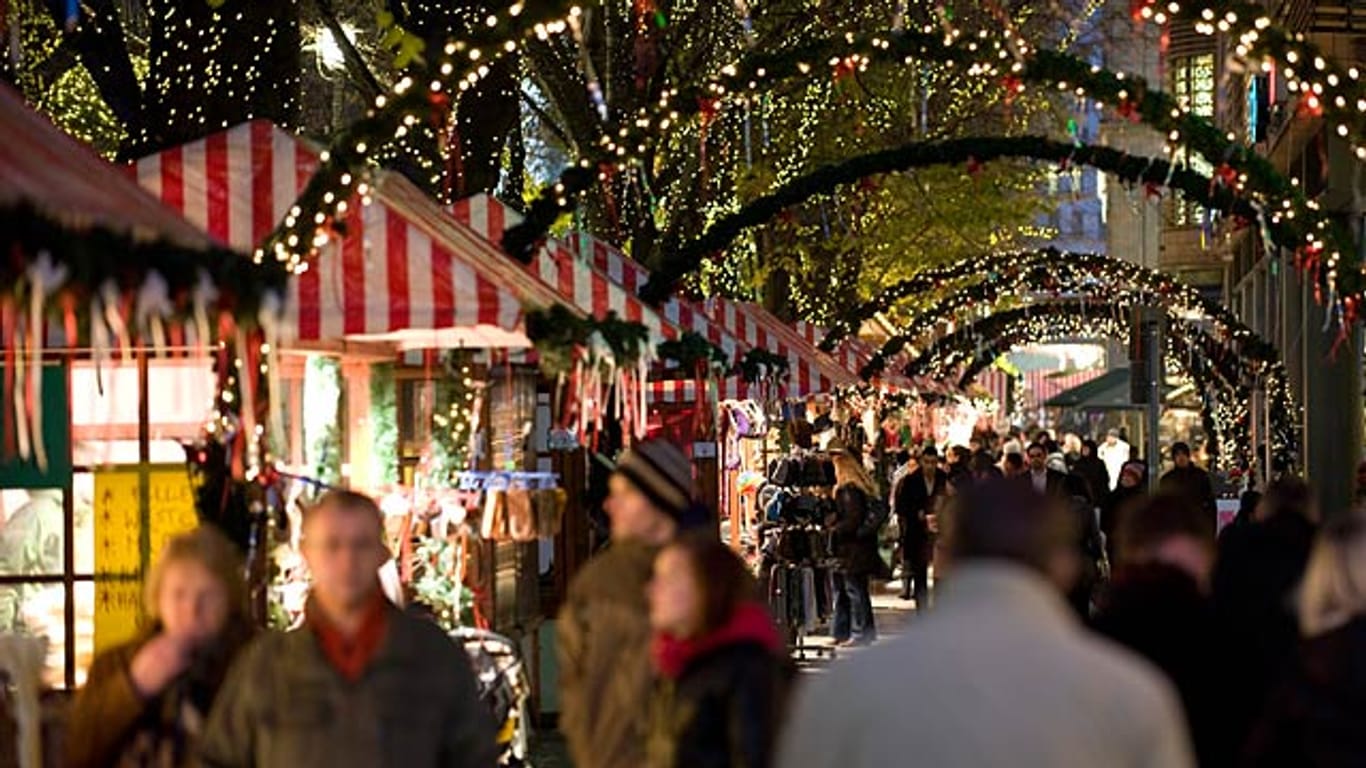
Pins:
x,y
268,317
205,295
153,304
899,17
109,293
21,421
246,375
44,278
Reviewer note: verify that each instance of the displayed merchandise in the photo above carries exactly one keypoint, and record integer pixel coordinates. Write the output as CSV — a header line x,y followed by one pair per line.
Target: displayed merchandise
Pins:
x,y
504,688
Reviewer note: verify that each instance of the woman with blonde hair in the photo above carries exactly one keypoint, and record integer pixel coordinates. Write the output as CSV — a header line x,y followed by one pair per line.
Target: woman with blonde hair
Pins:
x,y
1315,718
855,549
145,702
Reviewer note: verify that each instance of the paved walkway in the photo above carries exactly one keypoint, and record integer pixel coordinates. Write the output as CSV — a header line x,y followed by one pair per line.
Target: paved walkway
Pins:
x,y
891,613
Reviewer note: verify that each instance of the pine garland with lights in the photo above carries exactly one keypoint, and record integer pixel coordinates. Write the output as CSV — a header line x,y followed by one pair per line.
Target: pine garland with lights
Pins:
x,y
1272,198
758,364
693,352
686,257
85,255
423,98
1043,270
559,334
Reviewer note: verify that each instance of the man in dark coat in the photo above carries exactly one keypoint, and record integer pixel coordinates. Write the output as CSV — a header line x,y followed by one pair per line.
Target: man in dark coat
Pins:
x,y
1190,483
1091,469
1256,571
913,502
362,683
1044,481
1157,604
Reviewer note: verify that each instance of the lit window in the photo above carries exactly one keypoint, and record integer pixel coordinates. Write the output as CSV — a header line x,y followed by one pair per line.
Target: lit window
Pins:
x,y
1190,80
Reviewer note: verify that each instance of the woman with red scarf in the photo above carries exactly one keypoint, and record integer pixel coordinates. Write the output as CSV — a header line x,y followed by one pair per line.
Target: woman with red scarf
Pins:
x,y
722,670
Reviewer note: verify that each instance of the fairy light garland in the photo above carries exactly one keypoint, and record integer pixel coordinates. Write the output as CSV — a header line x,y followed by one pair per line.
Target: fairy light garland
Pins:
x,y
1275,202
322,206
1225,376
971,151
1045,269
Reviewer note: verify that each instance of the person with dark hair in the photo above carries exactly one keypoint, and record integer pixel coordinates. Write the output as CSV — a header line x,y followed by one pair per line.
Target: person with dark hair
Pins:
x,y
1003,672
144,703
1092,470
1257,568
1014,465
1247,511
1041,478
362,683
983,468
1158,605
603,629
913,501
958,471
1191,483
722,668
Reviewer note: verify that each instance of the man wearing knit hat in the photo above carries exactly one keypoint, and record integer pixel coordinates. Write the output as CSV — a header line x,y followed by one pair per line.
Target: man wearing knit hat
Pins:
x,y
604,629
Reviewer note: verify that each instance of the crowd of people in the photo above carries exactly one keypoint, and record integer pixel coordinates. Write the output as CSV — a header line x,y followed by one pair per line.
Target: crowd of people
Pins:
x,y
1073,618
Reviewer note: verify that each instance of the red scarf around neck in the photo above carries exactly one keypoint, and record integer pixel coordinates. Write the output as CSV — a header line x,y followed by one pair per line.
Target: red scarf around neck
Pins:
x,y
749,624
351,655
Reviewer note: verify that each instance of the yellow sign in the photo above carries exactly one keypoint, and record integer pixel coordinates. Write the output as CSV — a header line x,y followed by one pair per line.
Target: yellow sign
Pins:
x,y
123,521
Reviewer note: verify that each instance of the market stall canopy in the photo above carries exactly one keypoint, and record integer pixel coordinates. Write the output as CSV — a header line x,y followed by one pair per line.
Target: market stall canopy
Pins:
x,y
405,273
586,286
812,371
1047,384
1108,391
65,181
594,288
61,202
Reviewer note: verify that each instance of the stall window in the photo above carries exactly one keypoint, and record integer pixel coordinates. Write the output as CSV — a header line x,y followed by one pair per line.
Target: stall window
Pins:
x,y
76,541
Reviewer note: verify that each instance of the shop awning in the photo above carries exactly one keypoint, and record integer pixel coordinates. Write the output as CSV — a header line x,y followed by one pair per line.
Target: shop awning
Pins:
x,y
1046,384
593,288
1108,390
405,272
46,170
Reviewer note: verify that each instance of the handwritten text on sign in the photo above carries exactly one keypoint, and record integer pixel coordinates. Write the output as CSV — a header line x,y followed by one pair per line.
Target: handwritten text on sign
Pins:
x,y
120,519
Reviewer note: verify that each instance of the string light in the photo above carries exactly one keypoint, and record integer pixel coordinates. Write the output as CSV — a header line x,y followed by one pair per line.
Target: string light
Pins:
x,y
459,65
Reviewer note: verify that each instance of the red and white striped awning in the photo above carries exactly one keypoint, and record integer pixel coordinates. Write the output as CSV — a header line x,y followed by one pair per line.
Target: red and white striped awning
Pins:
x,y
404,272
592,289
726,323
749,325
1046,384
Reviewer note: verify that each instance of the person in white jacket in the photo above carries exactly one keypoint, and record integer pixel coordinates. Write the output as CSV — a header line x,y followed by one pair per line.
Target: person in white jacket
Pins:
x,y
1114,452
1001,673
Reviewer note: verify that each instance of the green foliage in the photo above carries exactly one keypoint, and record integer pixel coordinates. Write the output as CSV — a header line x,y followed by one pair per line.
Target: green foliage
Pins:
x,y
558,332
759,363
451,420
322,434
383,424
435,584
692,351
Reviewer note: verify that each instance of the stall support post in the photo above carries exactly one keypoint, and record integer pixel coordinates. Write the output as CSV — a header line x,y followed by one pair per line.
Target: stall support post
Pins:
x,y
1153,341
705,469
359,429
